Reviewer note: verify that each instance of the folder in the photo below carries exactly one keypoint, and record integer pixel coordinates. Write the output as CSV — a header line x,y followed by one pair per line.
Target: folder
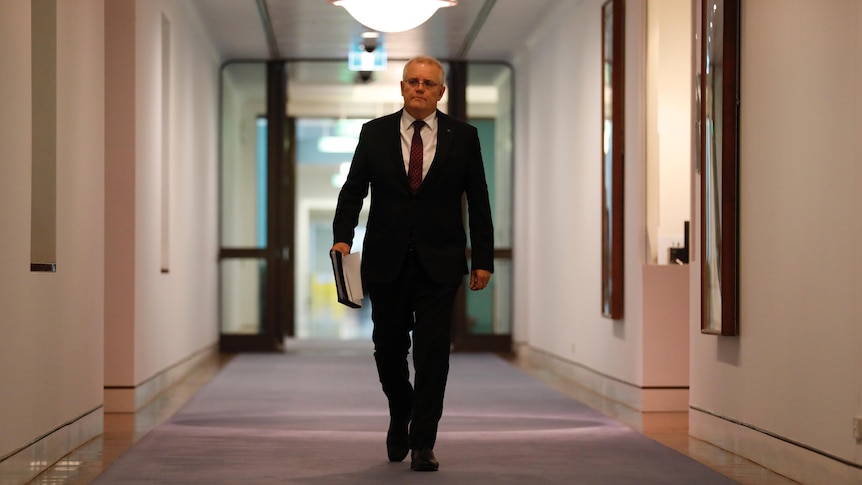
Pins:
x,y
348,278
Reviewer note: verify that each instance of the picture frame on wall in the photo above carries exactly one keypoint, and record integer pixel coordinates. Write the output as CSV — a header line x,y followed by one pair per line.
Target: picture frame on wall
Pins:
x,y
718,164
613,57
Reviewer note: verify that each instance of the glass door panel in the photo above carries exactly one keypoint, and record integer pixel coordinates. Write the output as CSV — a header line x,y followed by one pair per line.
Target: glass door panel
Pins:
x,y
487,324
243,176
328,105
324,148
243,281
252,254
489,312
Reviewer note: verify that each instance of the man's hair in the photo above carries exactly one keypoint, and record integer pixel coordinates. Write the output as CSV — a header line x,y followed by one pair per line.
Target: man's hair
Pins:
x,y
426,60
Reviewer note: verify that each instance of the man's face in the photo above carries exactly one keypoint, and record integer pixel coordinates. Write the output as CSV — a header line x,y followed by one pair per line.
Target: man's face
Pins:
x,y
422,89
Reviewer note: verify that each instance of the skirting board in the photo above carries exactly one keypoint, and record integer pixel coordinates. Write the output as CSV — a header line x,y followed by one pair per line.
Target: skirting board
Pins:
x,y
785,458
130,399
637,398
32,460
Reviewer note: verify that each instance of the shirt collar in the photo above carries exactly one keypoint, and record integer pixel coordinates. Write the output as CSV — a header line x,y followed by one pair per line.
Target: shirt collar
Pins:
x,y
407,120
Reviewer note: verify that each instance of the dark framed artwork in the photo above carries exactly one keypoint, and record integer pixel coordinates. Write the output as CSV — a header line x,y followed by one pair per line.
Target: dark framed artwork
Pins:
x,y
719,160
613,57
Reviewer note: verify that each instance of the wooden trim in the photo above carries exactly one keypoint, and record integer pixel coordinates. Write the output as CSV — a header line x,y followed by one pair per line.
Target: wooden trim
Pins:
x,y
613,222
728,243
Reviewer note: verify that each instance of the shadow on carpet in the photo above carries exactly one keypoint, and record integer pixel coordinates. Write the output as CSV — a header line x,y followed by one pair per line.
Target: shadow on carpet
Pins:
x,y
322,419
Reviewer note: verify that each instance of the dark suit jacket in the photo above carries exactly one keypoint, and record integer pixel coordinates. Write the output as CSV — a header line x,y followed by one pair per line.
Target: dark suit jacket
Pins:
x,y
432,218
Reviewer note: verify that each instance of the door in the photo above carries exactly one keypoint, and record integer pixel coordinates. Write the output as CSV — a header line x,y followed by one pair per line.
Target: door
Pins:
x,y
324,147
256,193
483,319
330,103
279,190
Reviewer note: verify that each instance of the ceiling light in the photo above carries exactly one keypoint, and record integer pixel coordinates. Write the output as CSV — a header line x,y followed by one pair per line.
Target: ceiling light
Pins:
x,y
392,15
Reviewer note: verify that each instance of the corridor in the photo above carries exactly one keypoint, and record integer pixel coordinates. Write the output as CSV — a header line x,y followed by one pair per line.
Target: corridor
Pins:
x,y
505,422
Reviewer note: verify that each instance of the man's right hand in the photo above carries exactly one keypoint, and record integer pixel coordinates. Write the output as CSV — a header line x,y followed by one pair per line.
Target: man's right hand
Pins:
x,y
342,248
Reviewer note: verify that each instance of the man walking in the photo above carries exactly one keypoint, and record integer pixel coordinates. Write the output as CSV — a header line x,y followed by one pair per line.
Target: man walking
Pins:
x,y
418,164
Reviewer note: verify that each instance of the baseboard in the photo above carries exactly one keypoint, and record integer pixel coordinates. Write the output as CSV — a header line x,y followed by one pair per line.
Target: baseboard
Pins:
x,y
782,456
130,399
23,465
632,396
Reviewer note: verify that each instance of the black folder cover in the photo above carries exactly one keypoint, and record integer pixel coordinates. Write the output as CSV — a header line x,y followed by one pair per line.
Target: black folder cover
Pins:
x,y
348,280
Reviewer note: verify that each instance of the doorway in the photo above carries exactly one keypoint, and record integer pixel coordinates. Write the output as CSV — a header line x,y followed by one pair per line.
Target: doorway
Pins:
x,y
256,223
324,148
278,197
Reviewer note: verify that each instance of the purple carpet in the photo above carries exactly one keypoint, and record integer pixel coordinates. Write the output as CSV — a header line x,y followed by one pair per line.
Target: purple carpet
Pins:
x,y
321,419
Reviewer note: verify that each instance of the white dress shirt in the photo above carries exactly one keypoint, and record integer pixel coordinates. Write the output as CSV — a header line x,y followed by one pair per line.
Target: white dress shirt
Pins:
x,y
429,140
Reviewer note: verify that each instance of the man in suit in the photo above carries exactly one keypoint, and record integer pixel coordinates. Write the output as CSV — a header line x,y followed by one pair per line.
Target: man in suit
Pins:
x,y
414,254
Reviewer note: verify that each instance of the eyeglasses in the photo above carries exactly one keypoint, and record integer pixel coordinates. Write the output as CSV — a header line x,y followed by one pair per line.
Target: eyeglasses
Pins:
x,y
414,83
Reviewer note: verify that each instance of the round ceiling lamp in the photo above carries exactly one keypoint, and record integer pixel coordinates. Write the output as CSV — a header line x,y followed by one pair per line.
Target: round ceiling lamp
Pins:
x,y
392,15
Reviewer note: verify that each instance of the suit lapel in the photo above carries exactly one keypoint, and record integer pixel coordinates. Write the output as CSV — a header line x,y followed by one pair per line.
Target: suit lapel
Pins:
x,y
392,145
444,143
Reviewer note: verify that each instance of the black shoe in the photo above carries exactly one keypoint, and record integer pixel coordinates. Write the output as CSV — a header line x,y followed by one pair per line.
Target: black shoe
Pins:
x,y
424,461
396,443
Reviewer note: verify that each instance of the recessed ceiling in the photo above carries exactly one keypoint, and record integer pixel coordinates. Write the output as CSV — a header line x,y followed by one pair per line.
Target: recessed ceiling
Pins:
x,y
315,29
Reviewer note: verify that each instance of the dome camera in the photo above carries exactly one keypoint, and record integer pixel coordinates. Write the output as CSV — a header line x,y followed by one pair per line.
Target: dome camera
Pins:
x,y
370,41
369,45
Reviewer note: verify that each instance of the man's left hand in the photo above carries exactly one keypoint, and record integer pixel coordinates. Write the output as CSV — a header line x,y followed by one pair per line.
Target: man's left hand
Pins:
x,y
479,279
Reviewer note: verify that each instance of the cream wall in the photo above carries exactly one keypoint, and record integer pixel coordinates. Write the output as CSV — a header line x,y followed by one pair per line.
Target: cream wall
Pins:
x,y
175,313
119,192
155,320
642,359
795,371
558,177
108,317
794,375
51,326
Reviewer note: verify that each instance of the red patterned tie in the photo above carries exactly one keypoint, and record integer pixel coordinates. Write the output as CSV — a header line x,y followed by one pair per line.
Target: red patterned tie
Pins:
x,y
414,170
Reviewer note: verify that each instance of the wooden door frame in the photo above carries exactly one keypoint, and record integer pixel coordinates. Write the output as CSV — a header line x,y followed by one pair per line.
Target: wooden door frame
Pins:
x,y
278,315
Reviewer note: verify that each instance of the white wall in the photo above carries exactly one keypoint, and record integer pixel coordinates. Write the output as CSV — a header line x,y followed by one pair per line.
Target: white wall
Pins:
x,y
175,313
160,319
108,316
558,177
51,325
796,368
795,372
119,192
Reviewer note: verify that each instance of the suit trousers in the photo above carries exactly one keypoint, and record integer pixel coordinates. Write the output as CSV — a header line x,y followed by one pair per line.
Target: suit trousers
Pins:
x,y
413,302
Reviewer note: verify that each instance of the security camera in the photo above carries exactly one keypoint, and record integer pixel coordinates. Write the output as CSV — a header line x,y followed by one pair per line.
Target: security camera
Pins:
x,y
369,45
